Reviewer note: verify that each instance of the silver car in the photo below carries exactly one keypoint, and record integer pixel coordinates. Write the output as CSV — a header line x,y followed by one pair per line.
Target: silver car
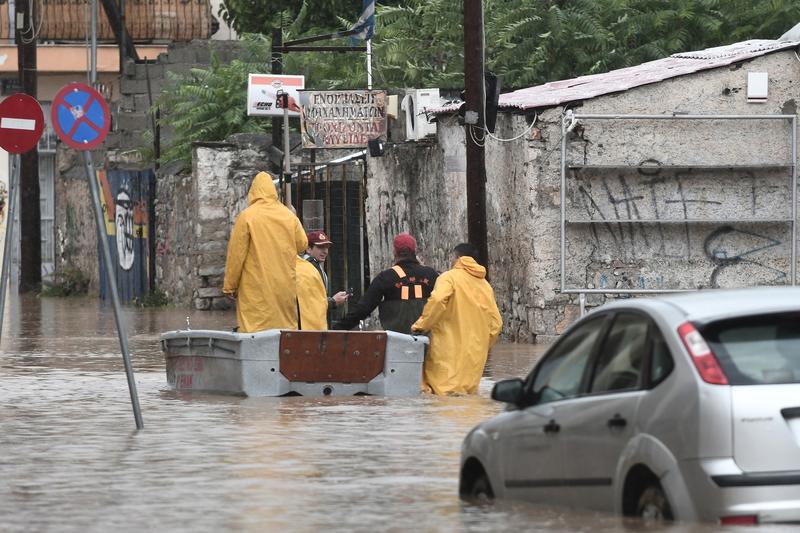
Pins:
x,y
684,407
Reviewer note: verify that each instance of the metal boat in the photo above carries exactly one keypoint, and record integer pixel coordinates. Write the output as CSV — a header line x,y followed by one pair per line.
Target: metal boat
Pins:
x,y
283,362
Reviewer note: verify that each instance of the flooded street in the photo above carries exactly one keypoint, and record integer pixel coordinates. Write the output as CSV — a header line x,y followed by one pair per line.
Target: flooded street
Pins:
x,y
71,460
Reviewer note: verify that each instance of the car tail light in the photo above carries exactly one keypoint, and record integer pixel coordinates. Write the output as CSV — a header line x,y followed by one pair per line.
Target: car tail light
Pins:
x,y
741,520
702,356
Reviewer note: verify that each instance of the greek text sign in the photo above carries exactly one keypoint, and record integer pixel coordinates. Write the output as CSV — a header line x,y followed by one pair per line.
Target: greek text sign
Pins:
x,y
342,119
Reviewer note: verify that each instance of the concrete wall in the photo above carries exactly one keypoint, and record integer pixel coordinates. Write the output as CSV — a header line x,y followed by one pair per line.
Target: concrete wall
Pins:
x,y
524,186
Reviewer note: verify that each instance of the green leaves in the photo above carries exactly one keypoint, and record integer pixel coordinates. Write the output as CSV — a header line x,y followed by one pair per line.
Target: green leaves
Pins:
x,y
419,43
211,104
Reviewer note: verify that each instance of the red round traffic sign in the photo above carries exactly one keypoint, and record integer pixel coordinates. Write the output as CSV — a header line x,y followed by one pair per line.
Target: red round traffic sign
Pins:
x,y
21,123
80,116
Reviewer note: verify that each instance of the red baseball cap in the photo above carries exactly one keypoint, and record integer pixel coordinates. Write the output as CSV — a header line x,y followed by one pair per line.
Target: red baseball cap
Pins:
x,y
317,238
404,243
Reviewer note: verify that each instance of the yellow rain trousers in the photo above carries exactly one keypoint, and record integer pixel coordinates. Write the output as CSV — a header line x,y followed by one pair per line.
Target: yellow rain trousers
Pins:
x,y
464,322
262,258
311,297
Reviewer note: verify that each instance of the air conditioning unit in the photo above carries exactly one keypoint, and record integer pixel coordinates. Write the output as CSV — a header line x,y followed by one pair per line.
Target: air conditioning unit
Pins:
x,y
414,104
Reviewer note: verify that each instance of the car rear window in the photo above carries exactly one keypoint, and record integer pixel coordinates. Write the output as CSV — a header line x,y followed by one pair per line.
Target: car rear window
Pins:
x,y
757,350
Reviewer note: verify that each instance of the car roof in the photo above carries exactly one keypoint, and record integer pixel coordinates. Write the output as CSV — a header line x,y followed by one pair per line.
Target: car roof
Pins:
x,y
715,304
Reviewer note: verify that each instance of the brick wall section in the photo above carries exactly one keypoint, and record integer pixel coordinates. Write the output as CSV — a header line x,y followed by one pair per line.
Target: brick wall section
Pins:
x,y
133,109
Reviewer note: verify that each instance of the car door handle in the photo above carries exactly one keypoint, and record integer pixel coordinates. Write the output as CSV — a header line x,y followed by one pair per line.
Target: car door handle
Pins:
x,y
617,422
552,427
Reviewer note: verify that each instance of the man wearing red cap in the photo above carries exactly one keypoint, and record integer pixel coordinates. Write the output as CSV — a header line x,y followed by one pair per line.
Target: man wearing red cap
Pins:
x,y
317,252
399,292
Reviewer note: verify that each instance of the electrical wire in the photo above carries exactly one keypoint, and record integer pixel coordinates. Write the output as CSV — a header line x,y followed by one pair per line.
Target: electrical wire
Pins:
x,y
478,142
38,30
529,128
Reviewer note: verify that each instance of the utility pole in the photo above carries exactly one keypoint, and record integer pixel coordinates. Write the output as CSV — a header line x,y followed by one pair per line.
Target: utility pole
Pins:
x,y
123,38
474,128
30,278
277,68
116,16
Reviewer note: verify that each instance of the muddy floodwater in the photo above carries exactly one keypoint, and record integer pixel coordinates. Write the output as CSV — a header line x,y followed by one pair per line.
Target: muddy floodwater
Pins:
x,y
71,459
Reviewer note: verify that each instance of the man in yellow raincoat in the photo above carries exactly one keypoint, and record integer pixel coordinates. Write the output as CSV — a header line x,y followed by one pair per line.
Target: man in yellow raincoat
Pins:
x,y
312,299
262,257
463,320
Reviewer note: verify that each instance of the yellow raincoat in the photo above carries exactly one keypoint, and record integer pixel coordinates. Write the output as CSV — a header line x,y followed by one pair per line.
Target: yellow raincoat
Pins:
x,y
261,261
311,297
464,322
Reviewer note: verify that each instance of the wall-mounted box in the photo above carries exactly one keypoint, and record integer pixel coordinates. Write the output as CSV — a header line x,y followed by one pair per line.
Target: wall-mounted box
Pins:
x,y
757,86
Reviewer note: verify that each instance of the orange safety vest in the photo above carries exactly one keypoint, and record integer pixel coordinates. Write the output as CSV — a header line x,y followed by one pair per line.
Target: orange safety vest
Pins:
x,y
405,290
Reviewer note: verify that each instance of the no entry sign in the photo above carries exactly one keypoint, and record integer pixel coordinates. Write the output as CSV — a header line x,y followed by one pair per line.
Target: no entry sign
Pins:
x,y
21,123
80,116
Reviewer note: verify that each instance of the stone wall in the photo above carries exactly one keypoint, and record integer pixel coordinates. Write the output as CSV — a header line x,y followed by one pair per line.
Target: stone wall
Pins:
x,y
194,215
75,227
524,196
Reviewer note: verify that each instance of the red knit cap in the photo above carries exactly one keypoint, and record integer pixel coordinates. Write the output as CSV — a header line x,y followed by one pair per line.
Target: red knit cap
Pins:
x,y
404,244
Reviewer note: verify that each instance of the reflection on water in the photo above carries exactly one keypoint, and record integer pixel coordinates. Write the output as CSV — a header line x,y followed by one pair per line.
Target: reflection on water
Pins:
x,y
70,458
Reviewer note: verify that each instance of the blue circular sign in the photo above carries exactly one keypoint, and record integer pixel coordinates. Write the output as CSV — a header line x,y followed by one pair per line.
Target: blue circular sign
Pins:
x,y
80,116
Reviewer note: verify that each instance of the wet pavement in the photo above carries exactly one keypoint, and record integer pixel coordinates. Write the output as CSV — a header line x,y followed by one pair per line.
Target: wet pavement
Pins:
x,y
71,460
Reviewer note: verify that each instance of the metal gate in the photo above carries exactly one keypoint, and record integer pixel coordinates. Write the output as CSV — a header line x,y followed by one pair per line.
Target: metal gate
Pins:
x,y
330,197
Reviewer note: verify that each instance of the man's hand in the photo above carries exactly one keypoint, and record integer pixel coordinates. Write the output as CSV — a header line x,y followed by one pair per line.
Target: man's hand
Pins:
x,y
231,296
340,297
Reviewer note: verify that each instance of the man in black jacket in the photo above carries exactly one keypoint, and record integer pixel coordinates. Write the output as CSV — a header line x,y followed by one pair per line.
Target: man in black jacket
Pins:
x,y
399,292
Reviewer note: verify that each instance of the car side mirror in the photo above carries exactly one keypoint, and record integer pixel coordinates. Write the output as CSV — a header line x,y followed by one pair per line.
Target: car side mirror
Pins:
x,y
509,391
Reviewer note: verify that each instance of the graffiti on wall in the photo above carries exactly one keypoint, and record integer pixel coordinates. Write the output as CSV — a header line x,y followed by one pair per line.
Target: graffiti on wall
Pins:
x,y
735,226
124,199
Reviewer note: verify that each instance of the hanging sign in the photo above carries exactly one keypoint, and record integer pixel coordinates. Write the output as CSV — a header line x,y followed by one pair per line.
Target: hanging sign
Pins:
x,y
21,123
80,116
342,119
262,94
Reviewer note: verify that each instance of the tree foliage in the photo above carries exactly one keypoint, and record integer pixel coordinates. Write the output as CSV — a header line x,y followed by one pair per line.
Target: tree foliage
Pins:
x,y
211,104
420,43
262,16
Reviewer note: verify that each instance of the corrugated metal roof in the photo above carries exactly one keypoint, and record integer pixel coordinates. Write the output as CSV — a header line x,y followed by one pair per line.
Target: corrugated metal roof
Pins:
x,y
564,91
